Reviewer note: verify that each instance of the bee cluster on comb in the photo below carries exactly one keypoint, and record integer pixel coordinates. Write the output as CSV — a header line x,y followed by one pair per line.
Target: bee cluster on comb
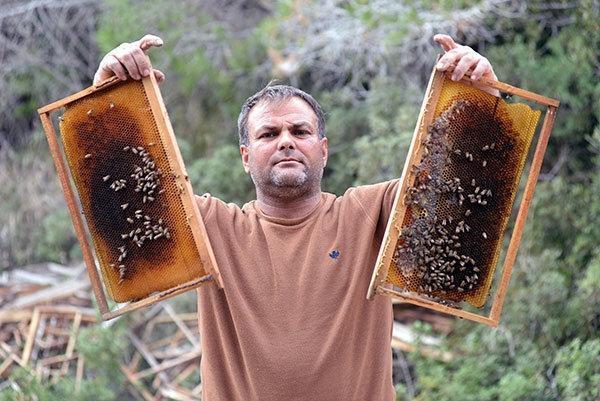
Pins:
x,y
146,177
440,253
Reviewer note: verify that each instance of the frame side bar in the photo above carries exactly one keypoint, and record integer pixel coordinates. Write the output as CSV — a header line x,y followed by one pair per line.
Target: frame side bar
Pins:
x,y
513,246
61,169
158,297
164,125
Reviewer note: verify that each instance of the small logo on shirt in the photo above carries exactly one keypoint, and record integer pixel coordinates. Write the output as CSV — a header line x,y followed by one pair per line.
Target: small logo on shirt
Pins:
x,y
334,254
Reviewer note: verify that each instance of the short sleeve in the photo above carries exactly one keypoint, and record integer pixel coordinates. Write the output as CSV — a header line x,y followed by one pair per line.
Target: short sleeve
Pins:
x,y
376,201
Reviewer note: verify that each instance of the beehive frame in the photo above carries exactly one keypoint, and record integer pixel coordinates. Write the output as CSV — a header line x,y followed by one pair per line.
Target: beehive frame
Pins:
x,y
195,222
392,235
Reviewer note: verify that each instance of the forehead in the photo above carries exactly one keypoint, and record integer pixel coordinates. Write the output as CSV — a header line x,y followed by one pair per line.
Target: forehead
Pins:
x,y
278,112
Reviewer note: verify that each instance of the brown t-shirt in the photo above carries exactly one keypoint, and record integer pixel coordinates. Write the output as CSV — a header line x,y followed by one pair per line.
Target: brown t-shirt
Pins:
x,y
292,321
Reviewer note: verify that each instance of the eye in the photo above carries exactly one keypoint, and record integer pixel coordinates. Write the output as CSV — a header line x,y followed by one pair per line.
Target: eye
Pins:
x,y
302,132
268,134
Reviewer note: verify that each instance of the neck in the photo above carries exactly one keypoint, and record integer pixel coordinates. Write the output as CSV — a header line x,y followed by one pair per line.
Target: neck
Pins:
x,y
287,208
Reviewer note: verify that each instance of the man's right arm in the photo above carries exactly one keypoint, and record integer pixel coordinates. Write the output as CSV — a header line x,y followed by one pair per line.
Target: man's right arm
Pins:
x,y
129,60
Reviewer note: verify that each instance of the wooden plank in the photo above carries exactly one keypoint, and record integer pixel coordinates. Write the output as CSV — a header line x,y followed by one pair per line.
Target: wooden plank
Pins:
x,y
78,224
87,314
157,297
177,165
186,373
177,394
513,247
33,326
506,88
142,349
51,360
184,317
61,290
137,385
184,329
426,351
5,365
79,372
161,367
71,344
438,307
76,96
13,315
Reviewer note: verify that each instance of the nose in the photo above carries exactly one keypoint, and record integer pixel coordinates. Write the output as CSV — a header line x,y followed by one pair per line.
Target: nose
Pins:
x,y
286,140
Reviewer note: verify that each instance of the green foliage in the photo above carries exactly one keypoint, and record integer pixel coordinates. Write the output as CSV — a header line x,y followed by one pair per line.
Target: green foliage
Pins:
x,y
55,238
563,66
34,222
222,175
578,370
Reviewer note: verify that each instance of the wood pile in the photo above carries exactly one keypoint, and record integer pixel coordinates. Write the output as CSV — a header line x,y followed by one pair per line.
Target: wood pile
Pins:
x,y
43,308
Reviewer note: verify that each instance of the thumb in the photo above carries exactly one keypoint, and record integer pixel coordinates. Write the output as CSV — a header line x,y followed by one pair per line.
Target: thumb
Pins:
x,y
445,41
159,75
148,41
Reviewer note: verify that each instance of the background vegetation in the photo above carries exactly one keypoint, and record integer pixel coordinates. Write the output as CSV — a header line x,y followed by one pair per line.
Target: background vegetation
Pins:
x,y
367,63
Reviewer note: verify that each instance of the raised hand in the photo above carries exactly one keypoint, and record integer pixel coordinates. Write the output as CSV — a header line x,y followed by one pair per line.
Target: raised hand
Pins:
x,y
129,60
459,59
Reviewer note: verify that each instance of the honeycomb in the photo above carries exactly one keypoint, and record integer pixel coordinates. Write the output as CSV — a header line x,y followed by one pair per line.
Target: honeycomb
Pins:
x,y
463,189
129,194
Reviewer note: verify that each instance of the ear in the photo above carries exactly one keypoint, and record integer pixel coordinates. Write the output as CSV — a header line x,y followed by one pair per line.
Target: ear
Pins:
x,y
244,152
325,150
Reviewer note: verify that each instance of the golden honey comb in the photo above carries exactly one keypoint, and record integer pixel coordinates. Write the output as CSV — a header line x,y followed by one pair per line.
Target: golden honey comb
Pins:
x,y
130,196
460,201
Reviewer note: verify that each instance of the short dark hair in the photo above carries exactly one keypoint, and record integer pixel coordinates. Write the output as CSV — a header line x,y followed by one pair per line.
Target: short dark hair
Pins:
x,y
277,93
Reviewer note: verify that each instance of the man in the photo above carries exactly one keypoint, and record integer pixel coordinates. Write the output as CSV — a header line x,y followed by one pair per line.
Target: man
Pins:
x,y
292,321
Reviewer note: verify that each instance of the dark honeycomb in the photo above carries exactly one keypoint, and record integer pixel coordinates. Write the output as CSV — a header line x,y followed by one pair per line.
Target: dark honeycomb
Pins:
x,y
461,197
129,194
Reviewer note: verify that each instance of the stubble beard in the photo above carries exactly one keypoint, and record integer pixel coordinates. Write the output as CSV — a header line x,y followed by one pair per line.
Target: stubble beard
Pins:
x,y
286,185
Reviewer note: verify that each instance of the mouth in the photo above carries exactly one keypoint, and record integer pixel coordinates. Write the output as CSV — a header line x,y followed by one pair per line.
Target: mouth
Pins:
x,y
288,160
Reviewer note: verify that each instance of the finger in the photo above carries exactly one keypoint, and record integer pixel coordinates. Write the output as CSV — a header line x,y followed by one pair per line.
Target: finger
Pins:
x,y
148,41
450,58
159,75
116,68
128,62
483,68
142,61
445,41
109,66
465,63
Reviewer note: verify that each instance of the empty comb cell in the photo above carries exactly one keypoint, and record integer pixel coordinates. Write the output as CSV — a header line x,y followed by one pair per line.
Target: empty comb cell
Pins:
x,y
460,181
132,191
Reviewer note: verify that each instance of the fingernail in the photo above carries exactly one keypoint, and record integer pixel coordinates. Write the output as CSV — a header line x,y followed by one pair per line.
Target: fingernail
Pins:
x,y
145,73
440,64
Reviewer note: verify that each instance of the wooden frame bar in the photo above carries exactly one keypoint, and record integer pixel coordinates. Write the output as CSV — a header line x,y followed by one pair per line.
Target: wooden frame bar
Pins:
x,y
175,159
393,230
